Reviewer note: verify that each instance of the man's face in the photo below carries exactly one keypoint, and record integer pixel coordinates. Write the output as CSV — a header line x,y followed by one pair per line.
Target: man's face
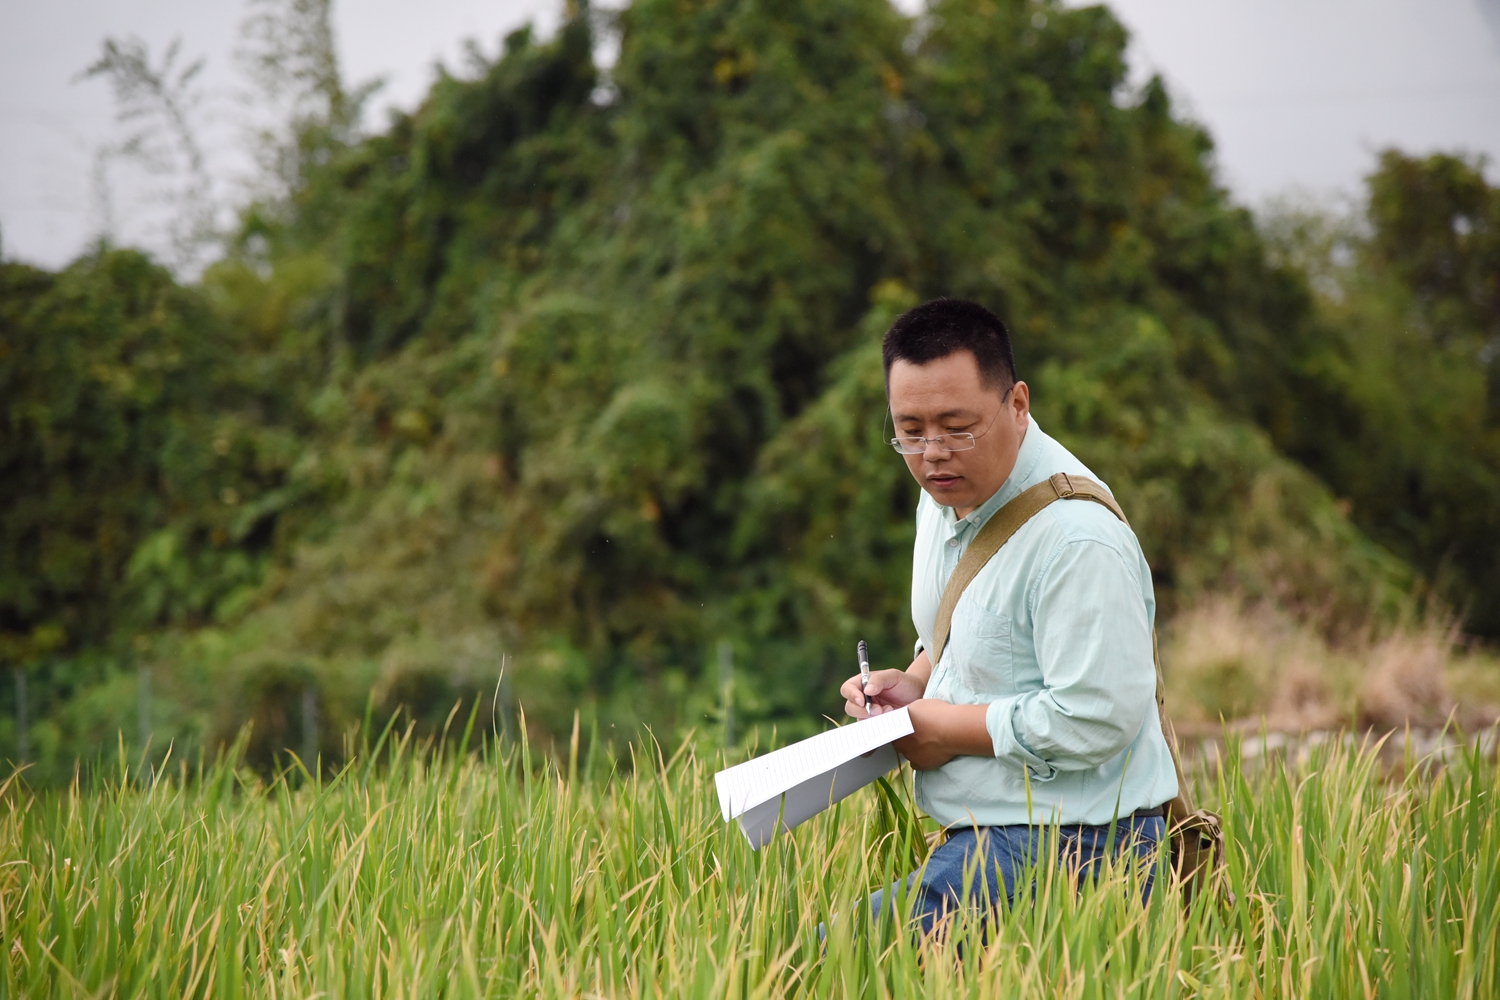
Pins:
x,y
946,396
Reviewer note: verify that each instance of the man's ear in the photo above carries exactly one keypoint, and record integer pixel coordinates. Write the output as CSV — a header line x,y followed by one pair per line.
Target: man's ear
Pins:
x,y
1020,398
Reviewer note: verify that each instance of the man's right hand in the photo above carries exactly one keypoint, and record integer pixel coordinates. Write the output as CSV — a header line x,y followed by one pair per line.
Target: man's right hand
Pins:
x,y
888,690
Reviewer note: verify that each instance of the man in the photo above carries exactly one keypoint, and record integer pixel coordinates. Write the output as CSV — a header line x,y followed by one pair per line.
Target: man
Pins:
x,y
1041,709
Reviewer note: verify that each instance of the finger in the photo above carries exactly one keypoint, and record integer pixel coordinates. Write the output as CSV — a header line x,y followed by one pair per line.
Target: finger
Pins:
x,y
855,711
853,692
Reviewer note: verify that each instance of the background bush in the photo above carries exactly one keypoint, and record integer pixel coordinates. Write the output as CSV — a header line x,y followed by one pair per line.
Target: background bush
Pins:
x,y
577,371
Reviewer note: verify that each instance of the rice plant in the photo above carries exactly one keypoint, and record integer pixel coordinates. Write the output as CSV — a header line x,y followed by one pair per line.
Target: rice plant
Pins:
x,y
419,872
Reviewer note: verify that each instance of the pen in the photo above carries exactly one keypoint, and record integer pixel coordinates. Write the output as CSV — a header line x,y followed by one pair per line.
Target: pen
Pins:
x,y
863,652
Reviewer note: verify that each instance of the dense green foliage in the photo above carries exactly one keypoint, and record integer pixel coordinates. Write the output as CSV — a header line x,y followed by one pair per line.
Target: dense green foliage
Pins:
x,y
581,370
1402,411
489,875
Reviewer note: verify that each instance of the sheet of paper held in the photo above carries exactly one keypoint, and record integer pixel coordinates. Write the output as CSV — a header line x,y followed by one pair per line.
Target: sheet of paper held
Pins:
x,y
809,776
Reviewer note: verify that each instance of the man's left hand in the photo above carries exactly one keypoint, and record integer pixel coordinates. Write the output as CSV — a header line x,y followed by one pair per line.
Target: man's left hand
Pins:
x,y
942,731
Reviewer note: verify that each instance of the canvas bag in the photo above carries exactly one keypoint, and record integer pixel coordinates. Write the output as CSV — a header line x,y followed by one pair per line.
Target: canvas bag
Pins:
x,y
1196,836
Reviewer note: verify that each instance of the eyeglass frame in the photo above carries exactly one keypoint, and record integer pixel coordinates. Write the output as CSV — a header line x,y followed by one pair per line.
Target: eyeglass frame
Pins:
x,y
973,439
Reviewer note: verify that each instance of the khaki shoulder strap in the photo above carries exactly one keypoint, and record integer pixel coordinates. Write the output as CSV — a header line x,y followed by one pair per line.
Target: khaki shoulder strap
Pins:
x,y
997,531
1006,522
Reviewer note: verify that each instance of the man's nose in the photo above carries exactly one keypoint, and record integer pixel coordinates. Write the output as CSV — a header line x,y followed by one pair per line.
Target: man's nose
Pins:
x,y
933,452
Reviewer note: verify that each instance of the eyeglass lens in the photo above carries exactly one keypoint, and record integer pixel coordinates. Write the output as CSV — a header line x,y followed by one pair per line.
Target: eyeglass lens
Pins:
x,y
945,442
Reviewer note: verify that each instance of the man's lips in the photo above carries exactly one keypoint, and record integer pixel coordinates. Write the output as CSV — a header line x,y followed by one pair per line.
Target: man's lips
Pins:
x,y
942,481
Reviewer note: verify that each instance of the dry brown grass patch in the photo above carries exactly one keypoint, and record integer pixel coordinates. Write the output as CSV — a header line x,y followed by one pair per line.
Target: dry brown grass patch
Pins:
x,y
1252,664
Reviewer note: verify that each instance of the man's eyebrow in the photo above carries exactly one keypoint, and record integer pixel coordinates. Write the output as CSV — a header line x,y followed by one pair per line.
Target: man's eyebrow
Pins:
x,y
941,416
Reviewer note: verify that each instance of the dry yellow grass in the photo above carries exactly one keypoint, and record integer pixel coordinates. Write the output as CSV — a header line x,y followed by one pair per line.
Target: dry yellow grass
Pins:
x,y
1253,665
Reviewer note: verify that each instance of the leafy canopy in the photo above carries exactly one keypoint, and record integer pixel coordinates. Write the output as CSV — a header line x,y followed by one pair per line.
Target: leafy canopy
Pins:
x,y
581,368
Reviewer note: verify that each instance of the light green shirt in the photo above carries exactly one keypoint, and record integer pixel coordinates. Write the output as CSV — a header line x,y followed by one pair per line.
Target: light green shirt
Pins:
x,y
1054,635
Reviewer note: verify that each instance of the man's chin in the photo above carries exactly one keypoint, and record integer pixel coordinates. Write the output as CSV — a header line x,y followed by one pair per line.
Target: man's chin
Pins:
x,y
952,494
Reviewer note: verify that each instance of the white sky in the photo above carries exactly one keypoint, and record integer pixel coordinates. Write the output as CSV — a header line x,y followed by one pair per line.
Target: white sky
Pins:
x,y
1298,94
1301,94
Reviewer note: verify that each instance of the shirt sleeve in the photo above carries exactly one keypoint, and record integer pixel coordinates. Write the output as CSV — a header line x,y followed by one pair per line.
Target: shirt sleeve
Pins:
x,y
1093,644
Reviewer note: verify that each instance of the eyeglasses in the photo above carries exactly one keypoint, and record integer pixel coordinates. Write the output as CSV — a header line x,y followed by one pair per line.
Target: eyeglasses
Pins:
x,y
945,442
912,445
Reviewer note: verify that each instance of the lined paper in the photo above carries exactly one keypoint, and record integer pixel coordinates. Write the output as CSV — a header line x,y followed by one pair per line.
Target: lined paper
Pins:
x,y
797,782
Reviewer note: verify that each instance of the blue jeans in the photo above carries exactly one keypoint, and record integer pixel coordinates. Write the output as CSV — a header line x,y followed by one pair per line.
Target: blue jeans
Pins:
x,y
938,887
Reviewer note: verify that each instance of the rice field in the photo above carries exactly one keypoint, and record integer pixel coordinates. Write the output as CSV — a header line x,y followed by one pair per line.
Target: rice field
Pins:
x,y
501,872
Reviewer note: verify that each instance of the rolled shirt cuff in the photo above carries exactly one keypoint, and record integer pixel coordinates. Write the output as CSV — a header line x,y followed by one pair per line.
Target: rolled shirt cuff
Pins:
x,y
999,719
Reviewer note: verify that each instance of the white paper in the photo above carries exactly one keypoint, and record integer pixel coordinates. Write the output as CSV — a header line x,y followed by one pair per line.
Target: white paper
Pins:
x,y
796,783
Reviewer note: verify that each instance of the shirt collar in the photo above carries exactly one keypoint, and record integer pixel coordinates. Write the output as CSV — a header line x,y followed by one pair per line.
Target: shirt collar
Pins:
x,y
1018,480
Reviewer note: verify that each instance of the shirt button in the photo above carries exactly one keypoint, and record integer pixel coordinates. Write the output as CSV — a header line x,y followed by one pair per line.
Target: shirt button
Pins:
x,y
953,541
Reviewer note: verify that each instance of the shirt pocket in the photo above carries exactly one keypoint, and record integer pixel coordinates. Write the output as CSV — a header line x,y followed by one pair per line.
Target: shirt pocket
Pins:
x,y
984,653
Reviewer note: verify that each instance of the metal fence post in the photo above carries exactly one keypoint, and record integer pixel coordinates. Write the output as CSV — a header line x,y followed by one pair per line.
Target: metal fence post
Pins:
x,y
23,748
503,706
143,705
310,727
726,688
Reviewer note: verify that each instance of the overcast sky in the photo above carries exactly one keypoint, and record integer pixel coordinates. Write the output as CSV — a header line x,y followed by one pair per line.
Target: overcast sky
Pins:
x,y
1298,94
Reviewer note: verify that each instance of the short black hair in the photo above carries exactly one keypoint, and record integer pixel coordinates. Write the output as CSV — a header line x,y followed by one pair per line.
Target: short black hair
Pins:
x,y
938,328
